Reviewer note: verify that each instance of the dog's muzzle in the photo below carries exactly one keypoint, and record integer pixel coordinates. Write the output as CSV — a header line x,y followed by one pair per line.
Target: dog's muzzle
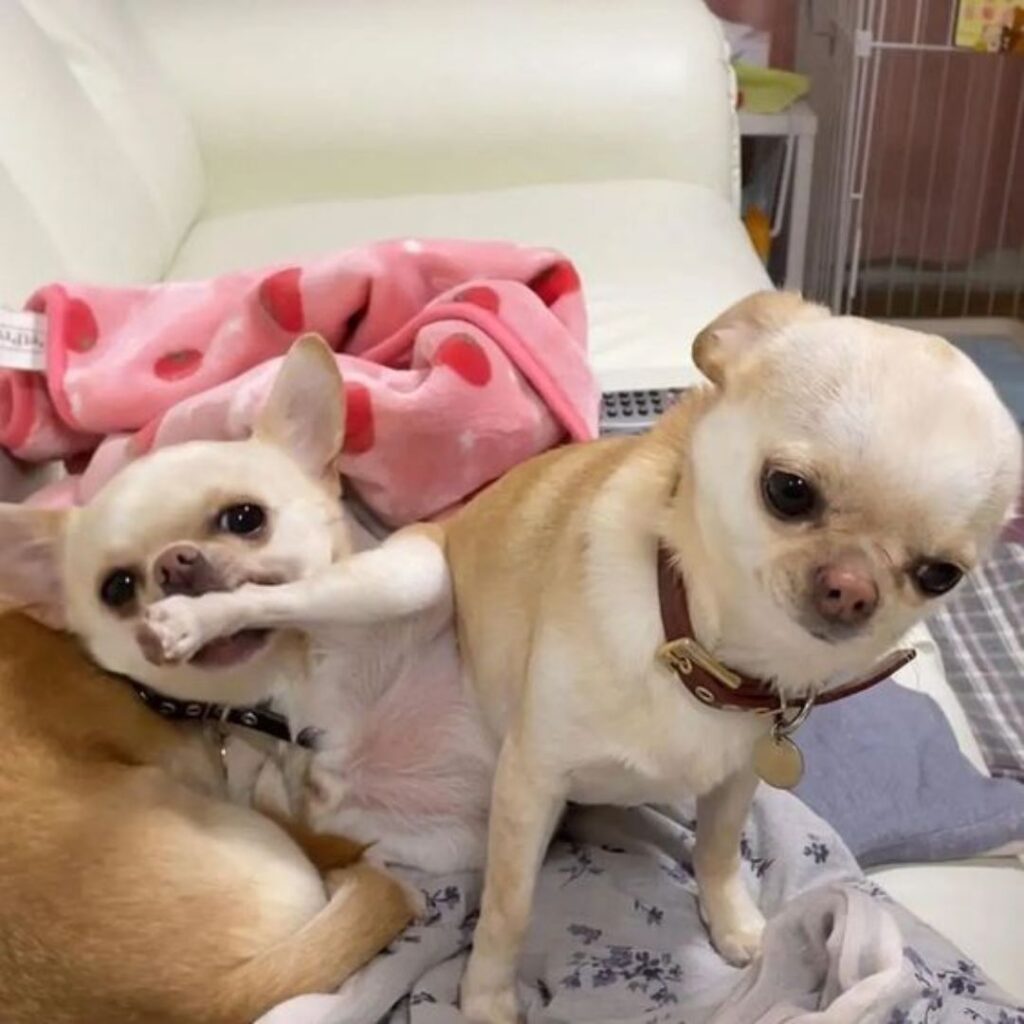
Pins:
x,y
184,569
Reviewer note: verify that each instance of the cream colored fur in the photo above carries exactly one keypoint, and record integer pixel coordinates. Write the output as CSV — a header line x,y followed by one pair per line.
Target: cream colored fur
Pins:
x,y
556,594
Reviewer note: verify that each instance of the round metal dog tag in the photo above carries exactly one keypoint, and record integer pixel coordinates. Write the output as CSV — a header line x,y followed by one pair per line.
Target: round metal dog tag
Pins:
x,y
778,761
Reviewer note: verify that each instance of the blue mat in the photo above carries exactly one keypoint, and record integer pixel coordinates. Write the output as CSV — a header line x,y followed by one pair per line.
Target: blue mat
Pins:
x,y
1002,361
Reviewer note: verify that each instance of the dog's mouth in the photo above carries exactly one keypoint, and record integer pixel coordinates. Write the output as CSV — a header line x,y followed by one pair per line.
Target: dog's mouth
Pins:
x,y
822,636
826,633
228,651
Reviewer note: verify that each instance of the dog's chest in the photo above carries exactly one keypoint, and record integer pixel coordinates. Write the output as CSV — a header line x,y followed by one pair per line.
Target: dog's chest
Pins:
x,y
661,746
395,734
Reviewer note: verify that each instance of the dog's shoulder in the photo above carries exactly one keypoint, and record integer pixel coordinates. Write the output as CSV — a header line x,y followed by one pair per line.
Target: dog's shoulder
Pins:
x,y
53,697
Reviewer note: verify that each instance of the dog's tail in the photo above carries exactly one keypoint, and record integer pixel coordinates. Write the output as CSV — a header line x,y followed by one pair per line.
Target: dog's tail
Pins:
x,y
368,909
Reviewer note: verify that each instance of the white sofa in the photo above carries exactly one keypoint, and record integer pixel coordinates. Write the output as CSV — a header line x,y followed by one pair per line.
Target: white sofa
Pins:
x,y
150,139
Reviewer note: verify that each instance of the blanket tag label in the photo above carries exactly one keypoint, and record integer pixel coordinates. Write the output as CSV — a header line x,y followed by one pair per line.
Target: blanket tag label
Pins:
x,y
22,340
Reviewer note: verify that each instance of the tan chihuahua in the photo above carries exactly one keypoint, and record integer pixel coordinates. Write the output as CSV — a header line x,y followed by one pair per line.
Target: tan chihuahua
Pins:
x,y
835,479
130,892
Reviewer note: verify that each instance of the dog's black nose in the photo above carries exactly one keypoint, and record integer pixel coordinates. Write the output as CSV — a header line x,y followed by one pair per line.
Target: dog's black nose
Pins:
x,y
184,569
846,593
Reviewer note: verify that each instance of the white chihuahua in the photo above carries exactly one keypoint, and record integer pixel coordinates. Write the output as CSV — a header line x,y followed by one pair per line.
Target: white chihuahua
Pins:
x,y
400,758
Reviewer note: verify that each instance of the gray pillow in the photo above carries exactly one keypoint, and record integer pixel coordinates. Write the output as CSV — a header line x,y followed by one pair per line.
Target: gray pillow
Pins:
x,y
884,768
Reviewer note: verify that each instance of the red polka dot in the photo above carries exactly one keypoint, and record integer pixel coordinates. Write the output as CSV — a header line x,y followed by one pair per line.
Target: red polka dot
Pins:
x,y
80,330
178,365
359,432
281,298
462,354
558,280
485,298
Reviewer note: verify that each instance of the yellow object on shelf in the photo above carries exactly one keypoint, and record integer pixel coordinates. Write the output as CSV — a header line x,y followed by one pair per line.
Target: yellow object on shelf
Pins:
x,y
993,26
768,90
759,227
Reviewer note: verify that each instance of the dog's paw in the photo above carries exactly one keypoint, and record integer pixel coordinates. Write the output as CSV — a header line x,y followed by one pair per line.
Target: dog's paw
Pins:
x,y
170,631
739,940
489,1007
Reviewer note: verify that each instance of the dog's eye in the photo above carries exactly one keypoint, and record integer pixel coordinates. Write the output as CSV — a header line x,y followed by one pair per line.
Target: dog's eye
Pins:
x,y
242,519
118,588
935,578
787,495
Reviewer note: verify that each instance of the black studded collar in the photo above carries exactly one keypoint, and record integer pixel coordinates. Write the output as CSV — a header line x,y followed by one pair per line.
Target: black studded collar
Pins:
x,y
260,718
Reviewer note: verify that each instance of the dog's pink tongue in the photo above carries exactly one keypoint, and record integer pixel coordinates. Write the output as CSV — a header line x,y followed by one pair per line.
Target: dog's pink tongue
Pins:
x,y
230,650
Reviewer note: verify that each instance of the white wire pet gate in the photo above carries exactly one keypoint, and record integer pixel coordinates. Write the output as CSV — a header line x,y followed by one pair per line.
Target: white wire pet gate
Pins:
x,y
918,197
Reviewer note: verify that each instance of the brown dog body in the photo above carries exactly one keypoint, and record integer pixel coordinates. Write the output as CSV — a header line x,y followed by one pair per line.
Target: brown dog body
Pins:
x,y
129,891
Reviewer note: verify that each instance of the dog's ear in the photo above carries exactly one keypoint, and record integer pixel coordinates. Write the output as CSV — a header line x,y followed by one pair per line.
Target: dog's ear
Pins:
x,y
30,545
731,336
305,413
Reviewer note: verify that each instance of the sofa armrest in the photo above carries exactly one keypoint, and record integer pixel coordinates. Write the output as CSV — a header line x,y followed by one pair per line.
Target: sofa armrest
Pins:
x,y
297,100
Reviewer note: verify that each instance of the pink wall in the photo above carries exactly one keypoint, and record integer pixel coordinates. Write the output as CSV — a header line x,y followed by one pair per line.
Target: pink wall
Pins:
x,y
775,16
942,155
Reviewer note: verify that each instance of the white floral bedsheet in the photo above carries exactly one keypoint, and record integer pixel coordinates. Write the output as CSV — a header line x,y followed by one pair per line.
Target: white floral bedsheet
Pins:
x,y
616,936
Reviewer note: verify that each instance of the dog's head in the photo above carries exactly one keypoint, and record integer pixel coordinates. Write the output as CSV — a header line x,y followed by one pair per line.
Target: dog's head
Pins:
x,y
848,474
189,519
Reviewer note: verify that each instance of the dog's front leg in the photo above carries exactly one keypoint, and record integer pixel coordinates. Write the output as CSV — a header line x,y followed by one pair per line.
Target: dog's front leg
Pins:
x,y
407,574
732,916
525,809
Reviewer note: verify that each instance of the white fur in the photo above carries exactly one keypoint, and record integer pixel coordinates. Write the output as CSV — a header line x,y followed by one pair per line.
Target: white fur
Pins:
x,y
402,760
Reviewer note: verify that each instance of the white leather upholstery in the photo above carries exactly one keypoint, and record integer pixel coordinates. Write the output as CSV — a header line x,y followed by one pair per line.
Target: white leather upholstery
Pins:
x,y
602,127
100,175
977,904
658,259
299,100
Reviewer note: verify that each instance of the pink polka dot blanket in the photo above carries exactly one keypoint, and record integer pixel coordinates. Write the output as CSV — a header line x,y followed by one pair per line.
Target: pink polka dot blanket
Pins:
x,y
460,359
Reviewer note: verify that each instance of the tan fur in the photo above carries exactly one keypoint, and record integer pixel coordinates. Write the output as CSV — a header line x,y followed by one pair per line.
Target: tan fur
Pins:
x,y
535,509
726,340
130,896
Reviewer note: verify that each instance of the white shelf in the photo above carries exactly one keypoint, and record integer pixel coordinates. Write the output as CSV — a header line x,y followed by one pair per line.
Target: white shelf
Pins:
x,y
797,120
798,125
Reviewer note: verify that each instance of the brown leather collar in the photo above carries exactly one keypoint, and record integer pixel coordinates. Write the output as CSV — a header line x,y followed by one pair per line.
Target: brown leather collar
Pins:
x,y
720,687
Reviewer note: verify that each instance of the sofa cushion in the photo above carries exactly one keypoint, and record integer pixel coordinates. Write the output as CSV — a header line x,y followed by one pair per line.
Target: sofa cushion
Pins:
x,y
99,172
658,259
978,905
306,100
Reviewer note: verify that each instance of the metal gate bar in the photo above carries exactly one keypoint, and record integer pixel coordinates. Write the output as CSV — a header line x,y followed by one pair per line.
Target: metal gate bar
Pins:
x,y
919,151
